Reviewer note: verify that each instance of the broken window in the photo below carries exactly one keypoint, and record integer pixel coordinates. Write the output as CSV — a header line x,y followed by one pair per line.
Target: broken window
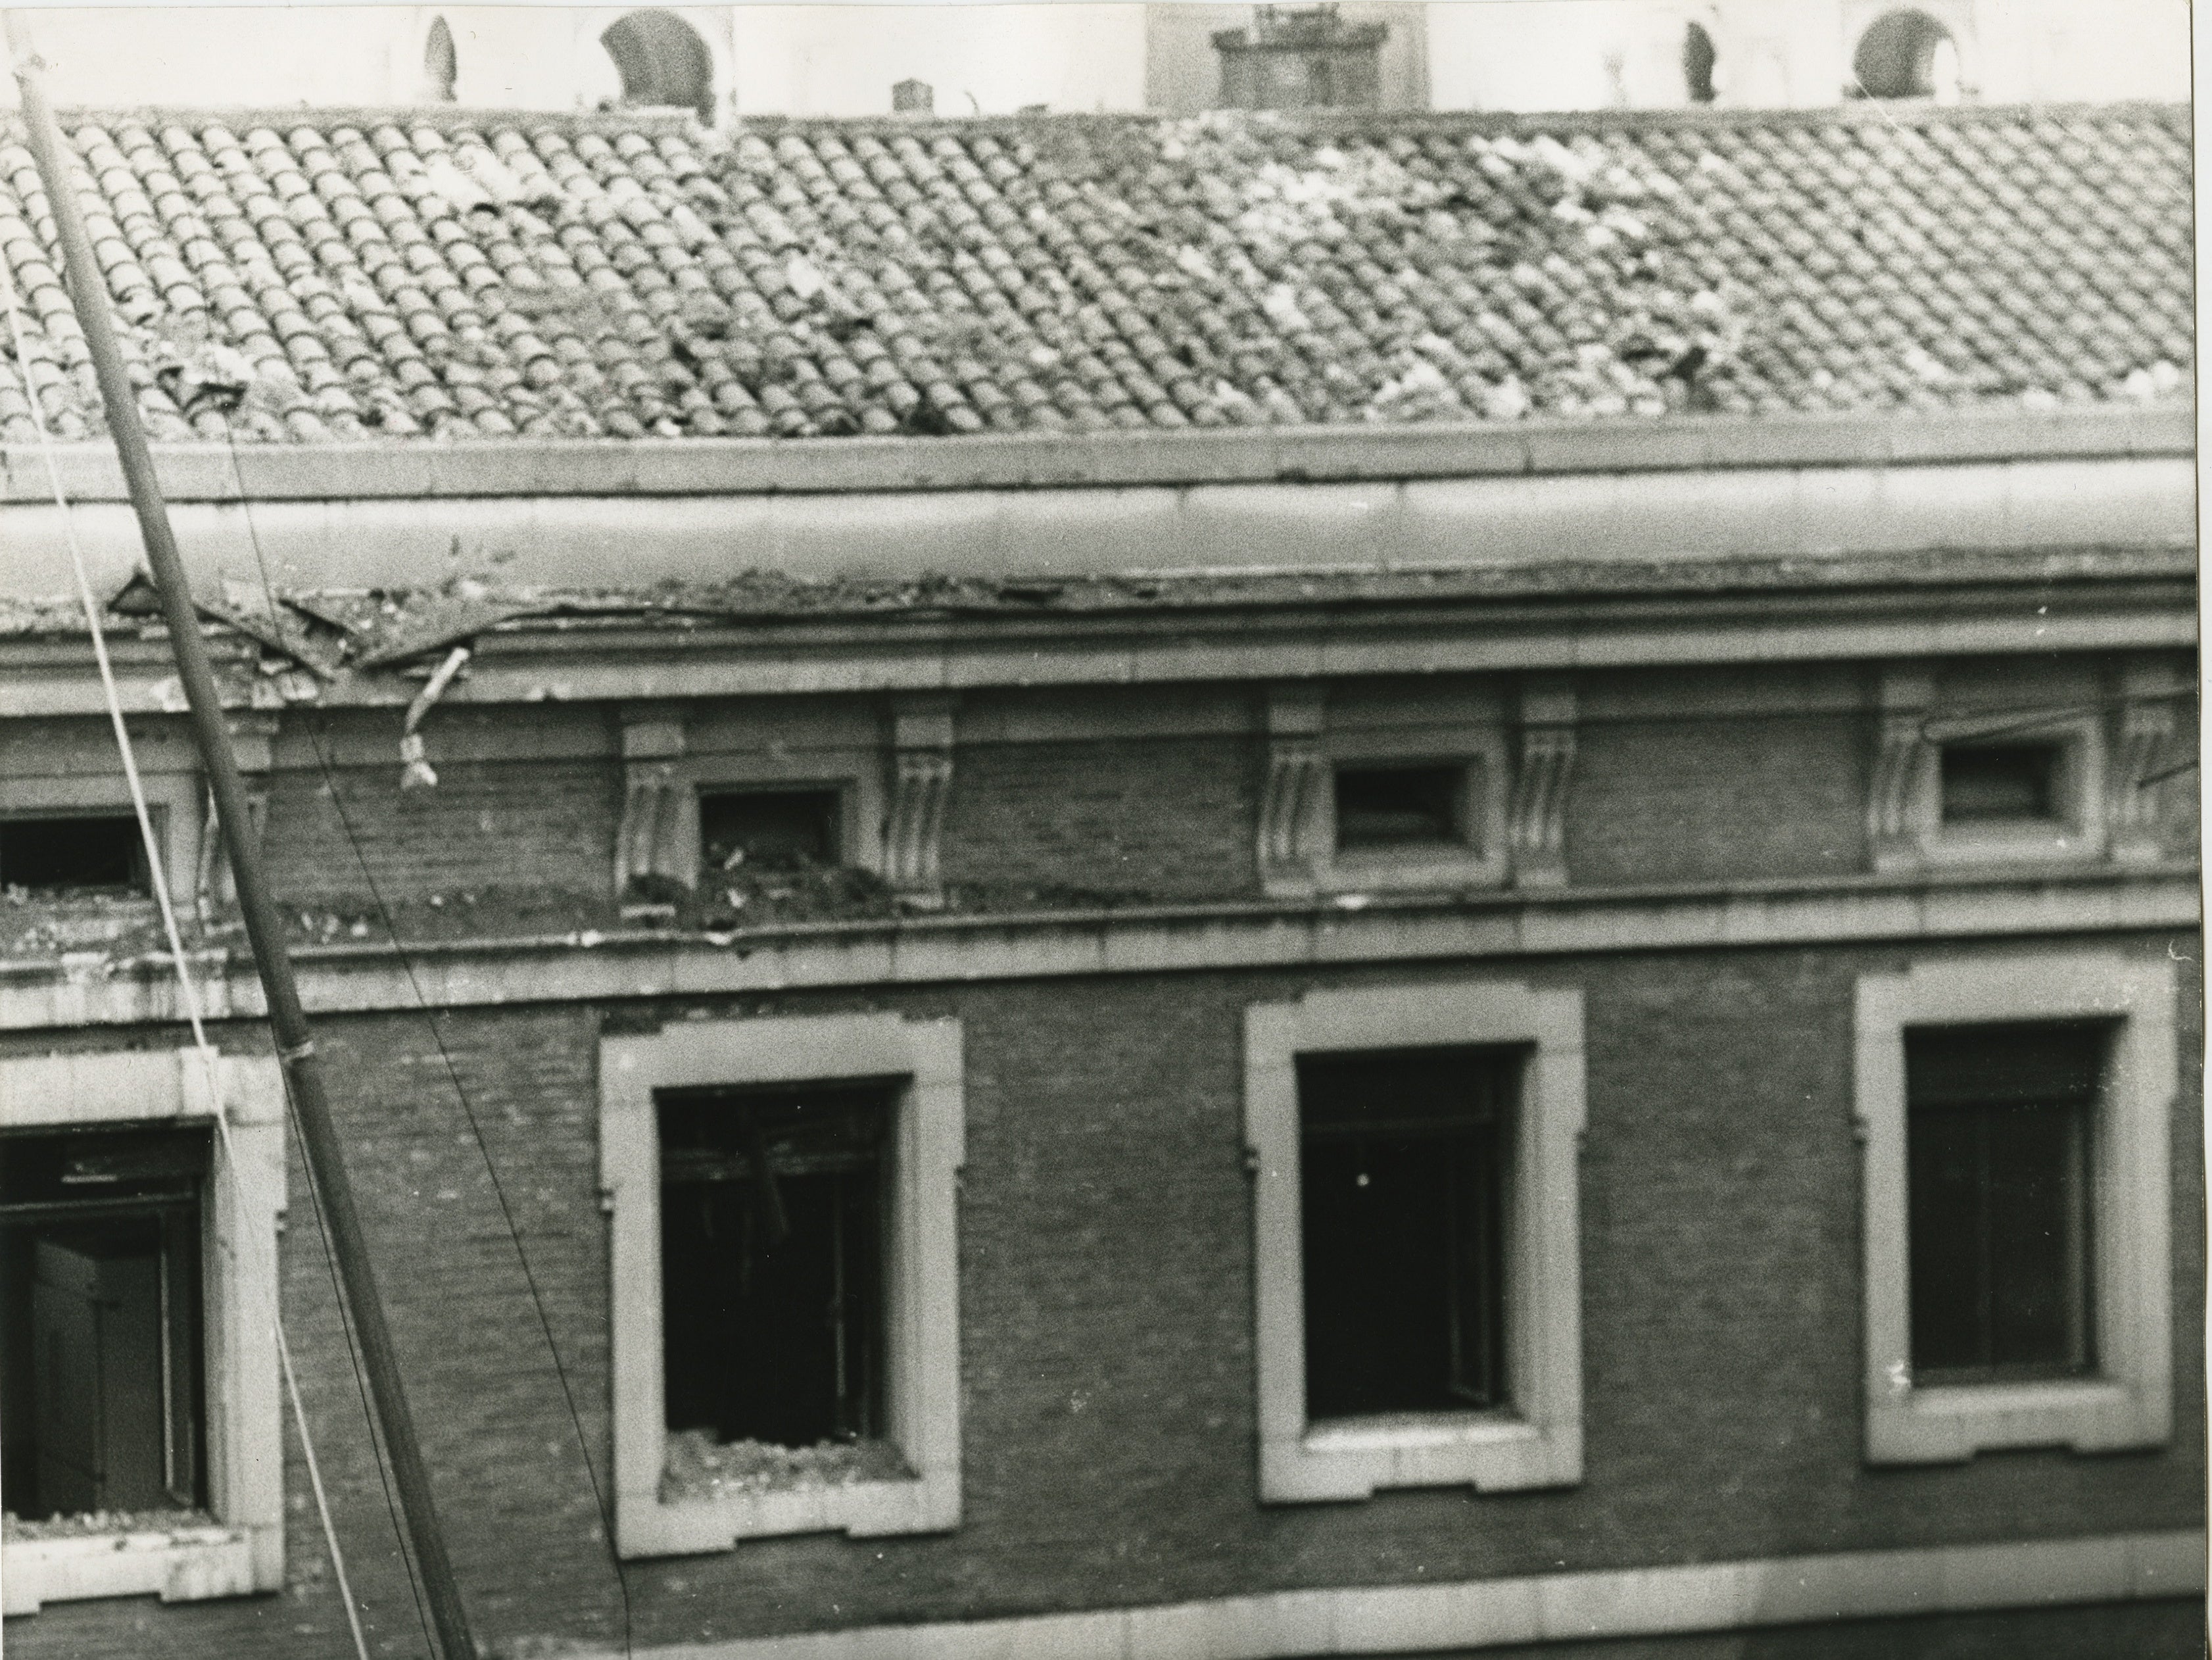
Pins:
x,y
101,1384
1380,808
1402,1207
773,1226
2000,1127
770,830
79,856
2000,783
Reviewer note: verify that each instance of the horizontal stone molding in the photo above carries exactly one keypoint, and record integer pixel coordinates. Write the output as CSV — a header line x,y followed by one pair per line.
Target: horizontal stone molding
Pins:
x,y
694,466
91,990
1537,1608
349,536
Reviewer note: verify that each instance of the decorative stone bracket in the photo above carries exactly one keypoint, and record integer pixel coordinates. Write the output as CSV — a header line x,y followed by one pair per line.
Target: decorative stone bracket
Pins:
x,y
2135,808
215,889
1893,806
1289,850
921,784
1536,820
657,850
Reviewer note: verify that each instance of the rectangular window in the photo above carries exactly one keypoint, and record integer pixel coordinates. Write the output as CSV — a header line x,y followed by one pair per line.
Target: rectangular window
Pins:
x,y
1385,807
2001,1124
101,1380
773,1218
1403,1199
770,830
77,856
2000,783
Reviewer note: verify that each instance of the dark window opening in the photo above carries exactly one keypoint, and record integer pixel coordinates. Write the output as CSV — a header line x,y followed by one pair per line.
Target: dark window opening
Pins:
x,y
1403,1199
82,855
1301,57
769,830
2000,783
1383,807
441,64
1897,57
2001,1129
662,62
774,1214
101,1369
1698,59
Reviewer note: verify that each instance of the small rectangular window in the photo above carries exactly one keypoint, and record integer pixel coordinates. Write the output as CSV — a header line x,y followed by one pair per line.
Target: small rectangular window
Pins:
x,y
101,1380
81,855
2000,783
2000,1130
773,1227
1402,1205
1379,808
770,830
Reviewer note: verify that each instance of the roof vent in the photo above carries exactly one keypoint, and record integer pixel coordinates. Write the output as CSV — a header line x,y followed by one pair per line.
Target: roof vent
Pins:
x,y
913,98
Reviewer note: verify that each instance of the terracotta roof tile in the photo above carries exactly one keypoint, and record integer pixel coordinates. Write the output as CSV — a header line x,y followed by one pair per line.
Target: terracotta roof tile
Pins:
x,y
305,280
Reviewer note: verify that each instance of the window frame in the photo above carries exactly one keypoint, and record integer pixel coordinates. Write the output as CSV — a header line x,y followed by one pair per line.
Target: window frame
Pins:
x,y
1538,1442
176,799
2128,1402
2075,829
242,1552
920,1279
1486,780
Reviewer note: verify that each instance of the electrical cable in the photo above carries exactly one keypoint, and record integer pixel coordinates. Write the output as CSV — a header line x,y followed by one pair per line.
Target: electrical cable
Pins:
x,y
188,991
460,1095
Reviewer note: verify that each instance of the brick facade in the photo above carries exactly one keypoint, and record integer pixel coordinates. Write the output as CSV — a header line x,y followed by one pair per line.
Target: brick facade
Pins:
x,y
1105,1276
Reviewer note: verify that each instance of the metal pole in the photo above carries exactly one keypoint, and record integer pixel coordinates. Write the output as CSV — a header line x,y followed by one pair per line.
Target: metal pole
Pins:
x,y
326,1161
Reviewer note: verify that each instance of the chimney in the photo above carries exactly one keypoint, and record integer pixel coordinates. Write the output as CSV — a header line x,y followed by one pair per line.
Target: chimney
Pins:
x,y
913,98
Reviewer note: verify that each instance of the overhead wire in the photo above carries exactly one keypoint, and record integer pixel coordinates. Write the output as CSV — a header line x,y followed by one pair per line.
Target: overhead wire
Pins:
x,y
316,742
187,988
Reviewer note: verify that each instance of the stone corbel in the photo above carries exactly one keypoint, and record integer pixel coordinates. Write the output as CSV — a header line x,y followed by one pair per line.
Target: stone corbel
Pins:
x,y
253,742
1894,808
2134,816
1536,819
921,784
657,850
1289,810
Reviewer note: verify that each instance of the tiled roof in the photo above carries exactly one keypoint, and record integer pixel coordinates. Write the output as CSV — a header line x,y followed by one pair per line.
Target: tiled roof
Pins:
x,y
348,276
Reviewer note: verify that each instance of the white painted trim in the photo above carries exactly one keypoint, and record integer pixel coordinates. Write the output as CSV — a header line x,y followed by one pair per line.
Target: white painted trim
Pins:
x,y
1538,1443
923,1317
2130,1403
245,1551
1783,1591
92,990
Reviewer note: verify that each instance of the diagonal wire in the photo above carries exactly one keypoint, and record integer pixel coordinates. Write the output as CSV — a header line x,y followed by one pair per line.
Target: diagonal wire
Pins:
x,y
188,991
316,743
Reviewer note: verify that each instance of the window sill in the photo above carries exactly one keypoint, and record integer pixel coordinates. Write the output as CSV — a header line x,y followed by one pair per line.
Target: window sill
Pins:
x,y
1356,1457
649,1526
1411,868
184,1563
1949,1423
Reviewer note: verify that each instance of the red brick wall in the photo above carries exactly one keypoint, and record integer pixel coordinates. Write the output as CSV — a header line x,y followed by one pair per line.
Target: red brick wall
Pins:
x,y
1106,1309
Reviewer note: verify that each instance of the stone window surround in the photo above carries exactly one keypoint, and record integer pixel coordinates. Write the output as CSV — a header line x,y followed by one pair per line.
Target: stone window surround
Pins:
x,y
1538,1443
242,1552
891,825
2129,1403
921,1290
176,799
1518,800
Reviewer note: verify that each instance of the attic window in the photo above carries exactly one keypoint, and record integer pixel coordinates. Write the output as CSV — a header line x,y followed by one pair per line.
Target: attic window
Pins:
x,y
770,830
440,65
79,856
2001,783
1698,58
1906,54
663,62
1301,57
1386,808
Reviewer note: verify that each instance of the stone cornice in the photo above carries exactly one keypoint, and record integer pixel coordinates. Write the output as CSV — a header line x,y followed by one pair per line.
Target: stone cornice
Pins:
x,y
1352,930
